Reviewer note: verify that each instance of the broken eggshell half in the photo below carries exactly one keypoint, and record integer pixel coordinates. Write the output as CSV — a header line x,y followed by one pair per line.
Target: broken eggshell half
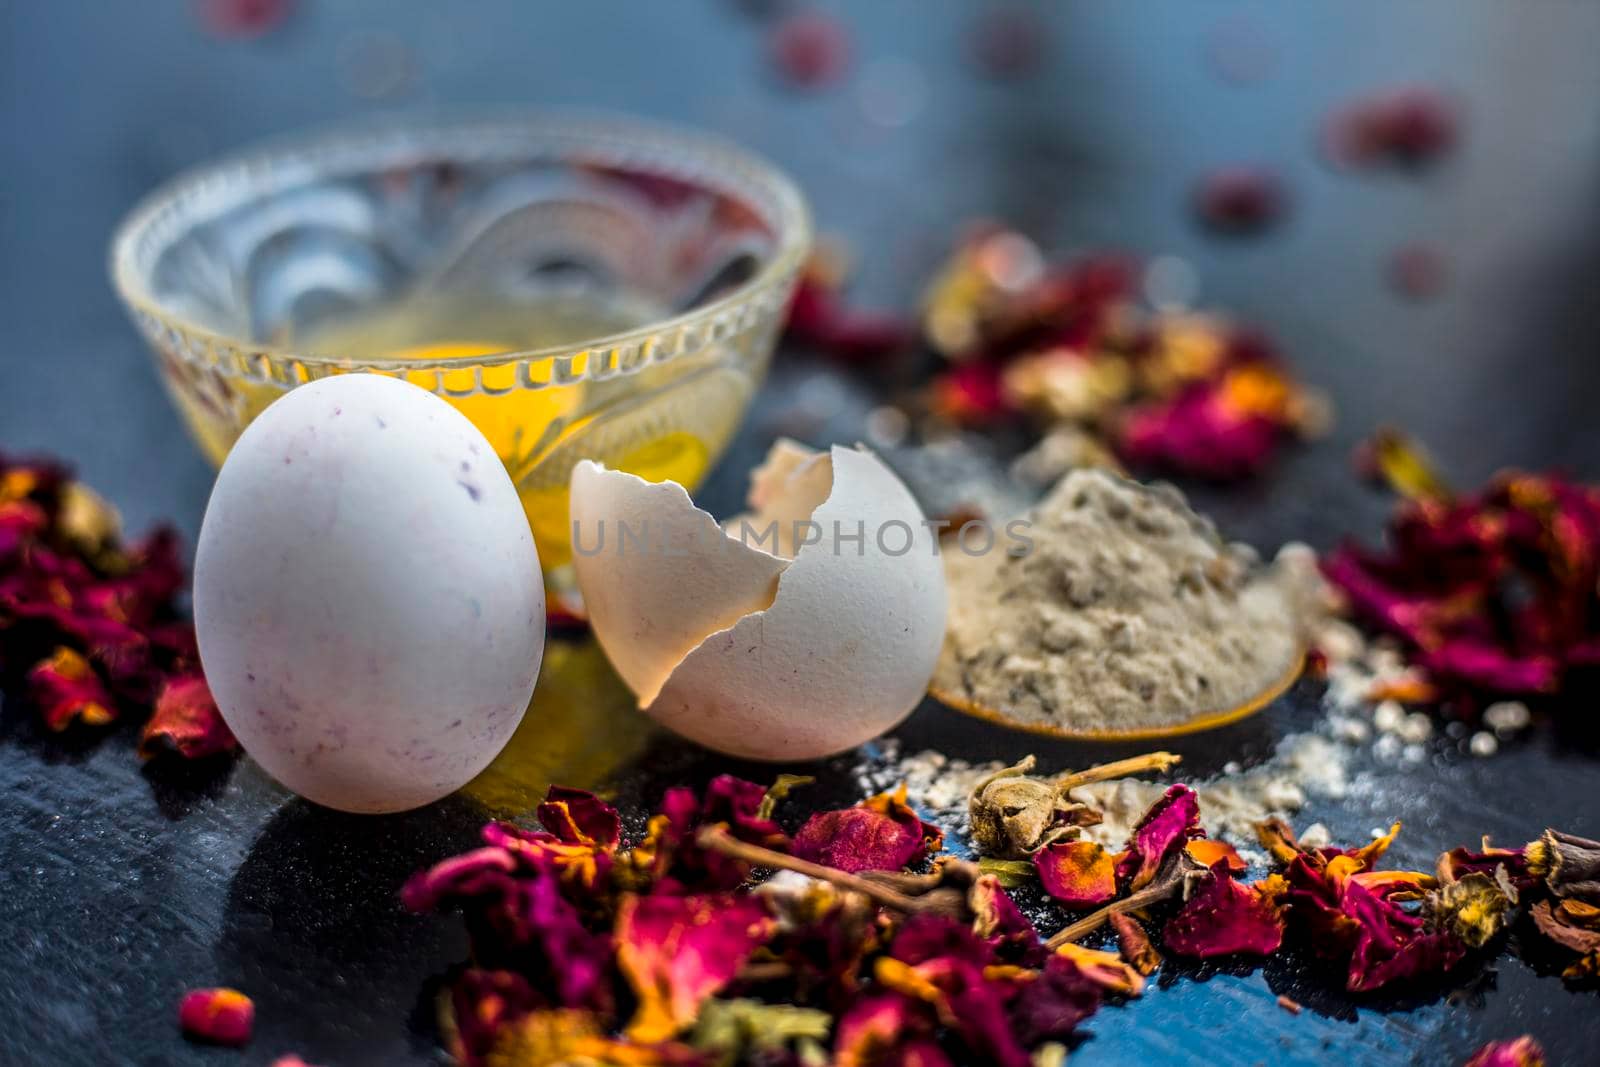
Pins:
x,y
781,637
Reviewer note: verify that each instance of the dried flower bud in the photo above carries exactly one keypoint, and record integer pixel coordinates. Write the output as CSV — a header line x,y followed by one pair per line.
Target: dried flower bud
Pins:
x,y
1475,908
1014,815
1570,865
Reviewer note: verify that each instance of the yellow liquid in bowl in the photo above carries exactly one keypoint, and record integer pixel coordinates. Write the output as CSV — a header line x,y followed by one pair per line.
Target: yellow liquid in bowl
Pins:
x,y
660,421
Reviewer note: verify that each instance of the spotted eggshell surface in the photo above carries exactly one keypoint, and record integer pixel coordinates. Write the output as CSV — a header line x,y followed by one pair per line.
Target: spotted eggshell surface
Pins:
x,y
367,595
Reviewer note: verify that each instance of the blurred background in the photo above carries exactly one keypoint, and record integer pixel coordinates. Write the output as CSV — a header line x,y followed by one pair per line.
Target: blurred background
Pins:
x,y
1455,299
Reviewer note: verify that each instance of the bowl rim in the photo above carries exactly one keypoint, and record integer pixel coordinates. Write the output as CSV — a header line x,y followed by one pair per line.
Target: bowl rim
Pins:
x,y
237,177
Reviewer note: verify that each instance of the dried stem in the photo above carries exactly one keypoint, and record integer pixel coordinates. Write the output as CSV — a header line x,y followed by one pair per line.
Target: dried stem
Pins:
x,y
1159,762
1150,894
717,839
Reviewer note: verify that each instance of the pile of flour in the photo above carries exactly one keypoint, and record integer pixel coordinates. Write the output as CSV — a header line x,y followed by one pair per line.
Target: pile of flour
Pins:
x,y
1128,613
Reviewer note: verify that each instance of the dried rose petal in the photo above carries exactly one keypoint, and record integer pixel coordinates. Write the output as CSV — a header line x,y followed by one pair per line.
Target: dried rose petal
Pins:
x,y
1412,125
1051,1006
971,394
1521,1051
186,721
67,690
482,1003
668,856
1392,944
964,998
1079,874
579,817
1134,943
244,18
926,937
1169,824
220,1016
677,951
819,317
1460,862
880,834
1222,429
1106,969
885,1028
997,919
1560,925
1225,917
1240,199
810,49
1207,852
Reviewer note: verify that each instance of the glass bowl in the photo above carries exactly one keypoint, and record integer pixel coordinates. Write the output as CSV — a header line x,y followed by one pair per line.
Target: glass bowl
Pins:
x,y
580,287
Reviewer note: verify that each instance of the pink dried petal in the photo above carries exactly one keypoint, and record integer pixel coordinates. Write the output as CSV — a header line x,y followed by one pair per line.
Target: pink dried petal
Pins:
x,y
884,1028
66,690
1170,822
220,1016
1225,917
1521,1051
677,951
880,834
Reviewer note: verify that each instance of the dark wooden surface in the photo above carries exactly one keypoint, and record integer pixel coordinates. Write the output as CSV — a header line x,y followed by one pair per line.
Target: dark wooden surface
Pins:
x,y
120,887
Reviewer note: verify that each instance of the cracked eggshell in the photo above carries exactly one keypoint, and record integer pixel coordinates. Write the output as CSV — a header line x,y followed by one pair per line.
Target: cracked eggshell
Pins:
x,y
657,574
367,595
840,653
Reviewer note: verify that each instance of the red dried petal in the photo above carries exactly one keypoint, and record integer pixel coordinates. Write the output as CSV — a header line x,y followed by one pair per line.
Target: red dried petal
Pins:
x,y
1050,1007
220,1016
732,802
66,690
997,919
1170,822
1205,431
1521,1051
1079,874
885,1028
971,393
1240,199
925,937
186,721
677,951
579,817
810,49
1224,917
244,18
964,1000
518,914
1392,944
1134,943
880,834
1412,125
819,317
482,1004
1106,969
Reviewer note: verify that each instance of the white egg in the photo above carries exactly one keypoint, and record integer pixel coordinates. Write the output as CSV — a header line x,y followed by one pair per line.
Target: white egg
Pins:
x,y
771,642
367,595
